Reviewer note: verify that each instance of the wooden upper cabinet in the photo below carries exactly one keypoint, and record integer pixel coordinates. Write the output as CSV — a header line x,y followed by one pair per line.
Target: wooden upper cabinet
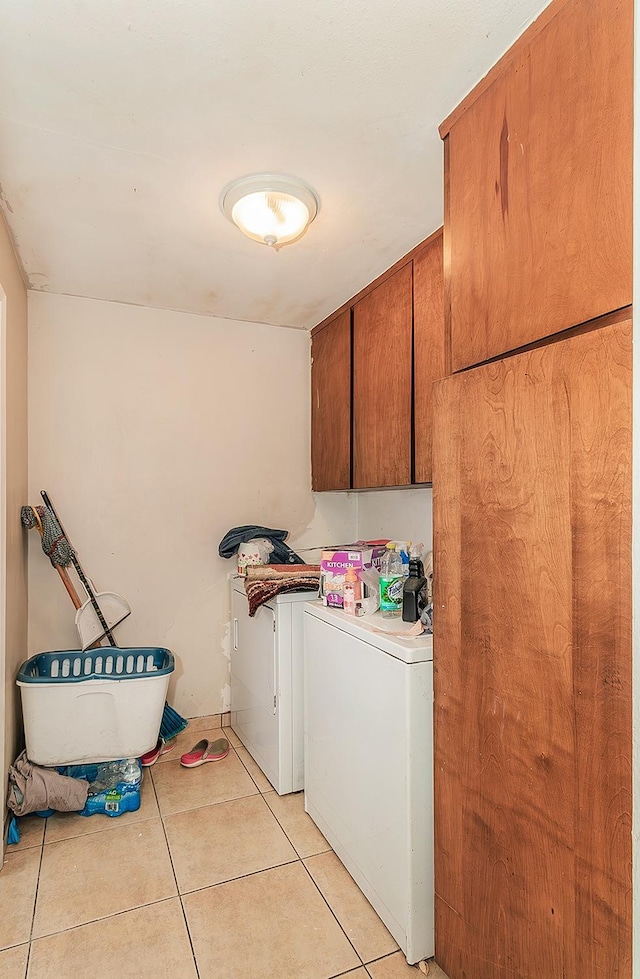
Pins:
x,y
331,405
382,327
428,349
371,417
538,207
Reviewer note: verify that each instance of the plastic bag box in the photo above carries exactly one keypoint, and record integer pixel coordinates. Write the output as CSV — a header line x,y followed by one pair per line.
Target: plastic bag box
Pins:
x,y
334,566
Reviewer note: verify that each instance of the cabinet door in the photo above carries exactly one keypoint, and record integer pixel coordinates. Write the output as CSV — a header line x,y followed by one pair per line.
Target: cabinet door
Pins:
x,y
382,326
331,405
532,659
428,349
540,177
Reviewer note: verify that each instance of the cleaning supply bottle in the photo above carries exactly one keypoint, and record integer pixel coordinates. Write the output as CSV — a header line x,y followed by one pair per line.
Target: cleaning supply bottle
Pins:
x,y
391,582
351,591
413,592
404,546
416,564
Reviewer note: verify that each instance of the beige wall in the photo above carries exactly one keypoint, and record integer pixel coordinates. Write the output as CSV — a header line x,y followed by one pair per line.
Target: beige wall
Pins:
x,y
154,433
399,514
15,580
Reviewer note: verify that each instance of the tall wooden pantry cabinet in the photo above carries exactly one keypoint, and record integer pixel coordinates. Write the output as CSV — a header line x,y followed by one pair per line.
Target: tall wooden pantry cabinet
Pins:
x,y
532,511
533,705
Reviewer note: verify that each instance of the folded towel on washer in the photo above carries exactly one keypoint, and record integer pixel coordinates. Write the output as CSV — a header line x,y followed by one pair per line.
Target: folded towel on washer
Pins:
x,y
281,571
265,581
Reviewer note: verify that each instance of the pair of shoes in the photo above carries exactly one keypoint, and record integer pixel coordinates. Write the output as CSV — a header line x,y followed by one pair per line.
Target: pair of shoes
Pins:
x,y
205,751
161,748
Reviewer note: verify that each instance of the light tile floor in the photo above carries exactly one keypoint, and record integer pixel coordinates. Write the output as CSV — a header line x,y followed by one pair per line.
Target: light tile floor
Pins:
x,y
215,876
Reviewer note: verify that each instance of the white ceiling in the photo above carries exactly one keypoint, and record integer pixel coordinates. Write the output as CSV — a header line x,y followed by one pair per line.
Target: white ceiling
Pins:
x,y
121,121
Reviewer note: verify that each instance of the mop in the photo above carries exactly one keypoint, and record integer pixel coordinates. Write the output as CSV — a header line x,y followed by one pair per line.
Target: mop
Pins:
x,y
94,620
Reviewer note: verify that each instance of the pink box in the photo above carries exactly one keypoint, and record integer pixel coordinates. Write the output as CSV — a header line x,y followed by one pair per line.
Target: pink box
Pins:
x,y
334,566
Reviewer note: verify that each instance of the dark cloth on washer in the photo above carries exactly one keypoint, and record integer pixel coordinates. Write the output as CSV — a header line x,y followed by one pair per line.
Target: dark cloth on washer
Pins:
x,y
281,554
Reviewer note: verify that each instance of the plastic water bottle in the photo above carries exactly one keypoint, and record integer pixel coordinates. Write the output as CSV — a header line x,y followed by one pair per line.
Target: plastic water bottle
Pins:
x,y
130,771
391,582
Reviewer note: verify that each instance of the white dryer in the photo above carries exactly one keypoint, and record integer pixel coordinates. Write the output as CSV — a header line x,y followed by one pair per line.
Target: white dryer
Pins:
x,y
266,684
369,762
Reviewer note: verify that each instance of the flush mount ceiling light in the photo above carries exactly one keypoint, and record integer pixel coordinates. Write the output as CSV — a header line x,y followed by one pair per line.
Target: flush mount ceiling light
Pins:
x,y
269,207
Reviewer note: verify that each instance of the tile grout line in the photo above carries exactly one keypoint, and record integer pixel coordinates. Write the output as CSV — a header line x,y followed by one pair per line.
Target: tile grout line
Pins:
x,y
267,792
186,924
114,914
270,789
332,911
113,824
175,877
298,859
320,853
262,795
232,880
35,901
103,917
208,805
105,829
253,795
299,856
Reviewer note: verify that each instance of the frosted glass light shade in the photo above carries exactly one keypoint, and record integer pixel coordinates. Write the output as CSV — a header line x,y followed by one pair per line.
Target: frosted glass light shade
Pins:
x,y
269,208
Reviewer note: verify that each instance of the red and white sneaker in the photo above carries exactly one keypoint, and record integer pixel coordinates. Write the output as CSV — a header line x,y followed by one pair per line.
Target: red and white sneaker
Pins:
x,y
205,751
161,748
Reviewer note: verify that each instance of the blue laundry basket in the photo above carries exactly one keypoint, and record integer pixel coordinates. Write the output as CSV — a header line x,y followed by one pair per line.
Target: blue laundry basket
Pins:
x,y
98,705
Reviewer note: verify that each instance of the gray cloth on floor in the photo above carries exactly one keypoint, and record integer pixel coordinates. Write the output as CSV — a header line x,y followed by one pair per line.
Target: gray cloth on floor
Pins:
x,y
33,789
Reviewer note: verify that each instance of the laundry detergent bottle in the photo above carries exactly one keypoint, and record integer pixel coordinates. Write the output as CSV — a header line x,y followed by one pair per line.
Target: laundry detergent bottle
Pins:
x,y
391,582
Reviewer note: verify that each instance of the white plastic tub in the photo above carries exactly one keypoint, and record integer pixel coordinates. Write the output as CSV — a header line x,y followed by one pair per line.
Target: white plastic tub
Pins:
x,y
99,705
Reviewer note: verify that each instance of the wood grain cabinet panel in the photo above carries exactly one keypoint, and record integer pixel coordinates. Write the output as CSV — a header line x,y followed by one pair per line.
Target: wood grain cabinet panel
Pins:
x,y
375,394
331,405
428,349
539,186
532,647
382,328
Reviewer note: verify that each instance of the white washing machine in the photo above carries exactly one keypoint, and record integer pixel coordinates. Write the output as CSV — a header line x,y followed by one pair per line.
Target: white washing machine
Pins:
x,y
369,762
266,684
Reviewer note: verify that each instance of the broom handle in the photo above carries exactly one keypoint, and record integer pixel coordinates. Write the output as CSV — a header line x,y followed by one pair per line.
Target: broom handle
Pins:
x,y
81,575
68,584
